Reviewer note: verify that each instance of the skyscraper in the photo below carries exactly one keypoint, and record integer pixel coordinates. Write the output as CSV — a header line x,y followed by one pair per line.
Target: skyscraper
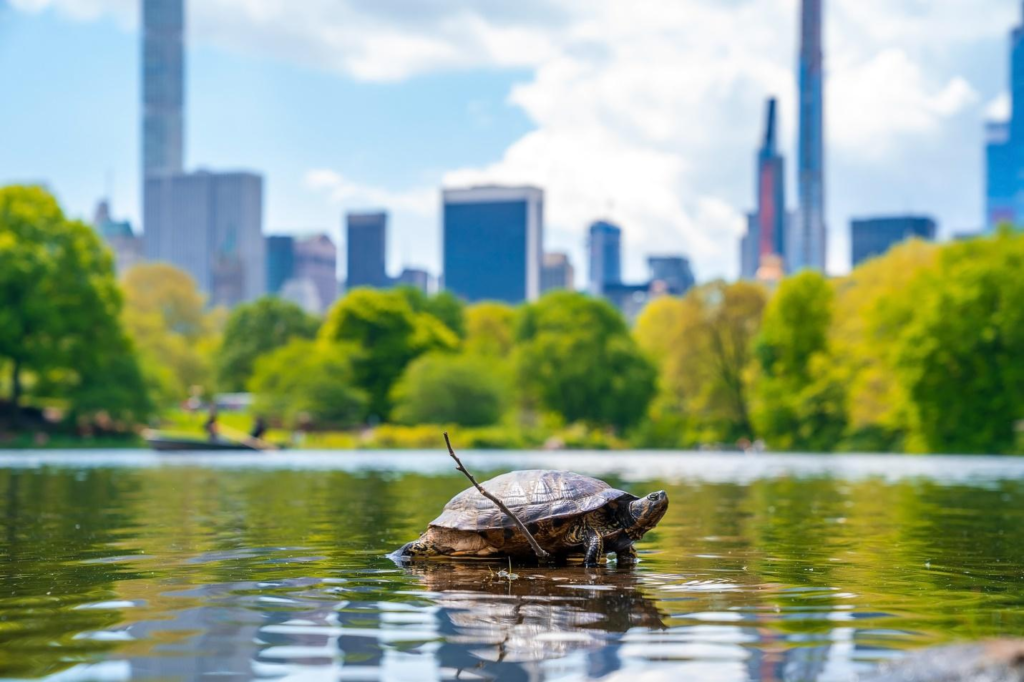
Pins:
x,y
163,87
604,246
673,273
808,246
766,228
280,261
211,226
316,259
870,237
366,250
492,241
1004,149
557,273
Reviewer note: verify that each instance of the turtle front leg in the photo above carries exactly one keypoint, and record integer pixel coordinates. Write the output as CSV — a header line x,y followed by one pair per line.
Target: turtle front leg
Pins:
x,y
626,557
595,547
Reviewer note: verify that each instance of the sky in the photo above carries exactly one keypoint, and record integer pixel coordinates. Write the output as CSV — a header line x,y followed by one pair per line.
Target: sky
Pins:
x,y
646,113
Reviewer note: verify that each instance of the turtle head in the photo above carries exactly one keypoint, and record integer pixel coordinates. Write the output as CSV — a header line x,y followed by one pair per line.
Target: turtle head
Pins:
x,y
646,513
411,551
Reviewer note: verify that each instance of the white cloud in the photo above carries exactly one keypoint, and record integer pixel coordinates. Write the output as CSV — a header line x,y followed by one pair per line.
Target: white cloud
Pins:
x,y
999,109
654,108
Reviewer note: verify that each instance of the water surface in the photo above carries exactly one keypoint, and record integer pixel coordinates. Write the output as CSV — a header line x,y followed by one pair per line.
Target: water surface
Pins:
x,y
117,565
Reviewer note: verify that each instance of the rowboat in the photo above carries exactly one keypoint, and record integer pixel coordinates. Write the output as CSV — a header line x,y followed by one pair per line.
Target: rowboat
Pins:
x,y
184,444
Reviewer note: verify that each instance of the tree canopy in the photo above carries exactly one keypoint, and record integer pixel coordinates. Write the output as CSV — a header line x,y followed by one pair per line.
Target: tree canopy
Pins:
x,y
308,383
254,329
449,389
702,343
389,335
576,358
175,334
60,310
960,357
800,399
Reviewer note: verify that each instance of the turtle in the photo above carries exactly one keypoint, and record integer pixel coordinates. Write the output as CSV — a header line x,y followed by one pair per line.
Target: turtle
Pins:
x,y
567,513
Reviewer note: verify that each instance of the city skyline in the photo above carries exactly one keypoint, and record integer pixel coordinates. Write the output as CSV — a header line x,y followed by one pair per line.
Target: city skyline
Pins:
x,y
941,99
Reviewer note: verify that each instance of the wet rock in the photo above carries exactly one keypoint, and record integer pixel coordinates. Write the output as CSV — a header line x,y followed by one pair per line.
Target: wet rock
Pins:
x,y
1000,660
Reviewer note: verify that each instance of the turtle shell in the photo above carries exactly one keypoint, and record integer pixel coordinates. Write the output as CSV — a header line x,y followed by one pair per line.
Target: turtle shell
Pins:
x,y
534,495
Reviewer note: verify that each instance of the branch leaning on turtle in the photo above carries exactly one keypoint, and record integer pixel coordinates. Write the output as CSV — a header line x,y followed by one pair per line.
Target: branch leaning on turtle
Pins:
x,y
537,549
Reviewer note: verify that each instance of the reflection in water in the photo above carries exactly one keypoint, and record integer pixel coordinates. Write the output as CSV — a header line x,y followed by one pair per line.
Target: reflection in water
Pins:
x,y
186,571
490,621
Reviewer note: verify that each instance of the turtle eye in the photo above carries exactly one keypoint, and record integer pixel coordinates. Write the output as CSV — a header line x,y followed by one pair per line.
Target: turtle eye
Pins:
x,y
652,497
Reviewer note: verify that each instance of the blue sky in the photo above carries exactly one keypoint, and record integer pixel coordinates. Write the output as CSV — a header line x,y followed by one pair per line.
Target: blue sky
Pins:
x,y
649,114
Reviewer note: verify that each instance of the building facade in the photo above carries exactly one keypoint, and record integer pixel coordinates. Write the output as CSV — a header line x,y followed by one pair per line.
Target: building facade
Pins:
x,y
672,273
119,236
809,237
316,259
417,279
163,88
280,261
211,226
366,250
767,226
1004,149
557,273
604,250
870,237
492,241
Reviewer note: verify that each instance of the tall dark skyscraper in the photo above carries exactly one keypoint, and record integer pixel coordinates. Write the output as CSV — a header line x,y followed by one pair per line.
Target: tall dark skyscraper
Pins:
x,y
163,87
366,245
492,241
1004,149
766,231
808,246
604,246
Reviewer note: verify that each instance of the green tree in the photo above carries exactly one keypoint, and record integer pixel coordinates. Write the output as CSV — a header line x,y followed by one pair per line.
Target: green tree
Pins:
x,y
872,305
703,346
444,305
389,335
60,308
577,359
961,356
490,329
449,389
307,381
254,329
167,319
801,402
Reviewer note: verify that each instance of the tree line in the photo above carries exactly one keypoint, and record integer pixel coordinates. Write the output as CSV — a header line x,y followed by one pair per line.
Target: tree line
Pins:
x,y
921,350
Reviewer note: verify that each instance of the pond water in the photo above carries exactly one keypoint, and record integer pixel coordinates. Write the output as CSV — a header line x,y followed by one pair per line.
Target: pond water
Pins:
x,y
137,565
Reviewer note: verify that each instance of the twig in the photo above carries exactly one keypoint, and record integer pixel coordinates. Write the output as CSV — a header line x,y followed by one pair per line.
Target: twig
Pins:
x,y
537,549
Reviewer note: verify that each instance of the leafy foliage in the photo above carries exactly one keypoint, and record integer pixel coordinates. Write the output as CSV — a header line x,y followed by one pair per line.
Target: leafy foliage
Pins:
x,y
166,317
254,329
702,343
490,329
309,383
60,309
577,359
960,358
449,389
388,334
801,402
445,306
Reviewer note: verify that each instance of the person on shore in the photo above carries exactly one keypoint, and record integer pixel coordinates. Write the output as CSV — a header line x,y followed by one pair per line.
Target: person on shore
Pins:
x,y
259,427
211,424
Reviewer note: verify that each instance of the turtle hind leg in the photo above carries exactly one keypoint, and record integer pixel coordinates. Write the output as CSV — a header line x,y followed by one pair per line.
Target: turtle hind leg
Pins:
x,y
594,544
626,557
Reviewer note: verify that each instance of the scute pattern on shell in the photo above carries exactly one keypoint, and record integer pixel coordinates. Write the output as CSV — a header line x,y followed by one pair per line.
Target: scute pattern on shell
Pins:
x,y
534,495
